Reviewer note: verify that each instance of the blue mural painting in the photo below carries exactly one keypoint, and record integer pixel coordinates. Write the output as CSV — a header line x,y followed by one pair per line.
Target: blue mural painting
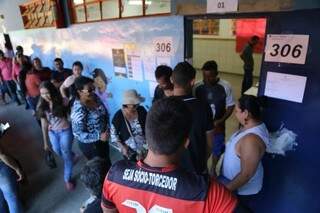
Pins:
x,y
93,45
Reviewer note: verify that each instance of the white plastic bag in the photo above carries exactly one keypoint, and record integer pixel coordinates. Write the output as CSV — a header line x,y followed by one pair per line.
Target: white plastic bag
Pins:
x,y
281,141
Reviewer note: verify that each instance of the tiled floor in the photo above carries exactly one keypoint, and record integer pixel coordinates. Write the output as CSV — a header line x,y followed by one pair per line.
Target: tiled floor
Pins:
x,y
45,191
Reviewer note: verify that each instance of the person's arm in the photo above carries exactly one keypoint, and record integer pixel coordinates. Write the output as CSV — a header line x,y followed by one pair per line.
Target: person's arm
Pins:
x,y
63,92
209,136
226,115
9,161
115,139
250,149
209,128
45,129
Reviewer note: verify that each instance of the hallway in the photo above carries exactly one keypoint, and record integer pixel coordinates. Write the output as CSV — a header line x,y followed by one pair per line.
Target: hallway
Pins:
x,y
45,191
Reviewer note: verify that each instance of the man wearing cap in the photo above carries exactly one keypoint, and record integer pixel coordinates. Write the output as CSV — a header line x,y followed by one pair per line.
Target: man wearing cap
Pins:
x,y
128,124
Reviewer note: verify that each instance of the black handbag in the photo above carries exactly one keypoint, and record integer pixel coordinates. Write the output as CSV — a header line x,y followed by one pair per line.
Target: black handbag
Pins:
x,y
49,159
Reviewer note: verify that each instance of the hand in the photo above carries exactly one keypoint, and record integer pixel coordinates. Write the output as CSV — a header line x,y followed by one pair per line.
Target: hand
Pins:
x,y
104,136
49,127
20,175
124,150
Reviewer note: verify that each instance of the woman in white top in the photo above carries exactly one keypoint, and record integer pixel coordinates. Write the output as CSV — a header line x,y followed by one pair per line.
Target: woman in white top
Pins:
x,y
242,166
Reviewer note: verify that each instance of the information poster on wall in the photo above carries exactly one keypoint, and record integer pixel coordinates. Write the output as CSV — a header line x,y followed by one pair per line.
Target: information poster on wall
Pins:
x,y
119,62
135,68
285,86
222,6
287,48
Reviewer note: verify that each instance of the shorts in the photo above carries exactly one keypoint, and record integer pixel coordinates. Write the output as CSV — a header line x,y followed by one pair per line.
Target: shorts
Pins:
x,y
218,145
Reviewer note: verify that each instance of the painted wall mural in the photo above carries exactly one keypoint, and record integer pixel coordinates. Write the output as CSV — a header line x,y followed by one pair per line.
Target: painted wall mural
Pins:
x,y
128,51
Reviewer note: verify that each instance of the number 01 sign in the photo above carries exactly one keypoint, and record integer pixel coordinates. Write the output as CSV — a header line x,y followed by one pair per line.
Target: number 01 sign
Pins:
x,y
287,48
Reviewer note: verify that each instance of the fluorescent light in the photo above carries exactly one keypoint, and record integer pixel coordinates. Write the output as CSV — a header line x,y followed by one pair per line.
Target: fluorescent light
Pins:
x,y
137,2
76,2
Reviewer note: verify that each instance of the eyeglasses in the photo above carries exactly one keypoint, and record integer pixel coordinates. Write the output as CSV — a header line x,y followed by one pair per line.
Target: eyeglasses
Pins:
x,y
134,106
90,90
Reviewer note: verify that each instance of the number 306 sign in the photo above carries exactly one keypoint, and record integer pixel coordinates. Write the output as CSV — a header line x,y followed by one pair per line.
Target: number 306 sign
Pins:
x,y
163,46
287,48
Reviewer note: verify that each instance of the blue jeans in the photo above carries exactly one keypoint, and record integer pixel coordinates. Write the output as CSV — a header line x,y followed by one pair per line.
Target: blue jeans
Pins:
x,y
218,145
9,190
61,142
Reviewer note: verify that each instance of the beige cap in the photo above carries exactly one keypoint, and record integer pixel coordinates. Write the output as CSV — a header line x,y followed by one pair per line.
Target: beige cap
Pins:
x,y
132,97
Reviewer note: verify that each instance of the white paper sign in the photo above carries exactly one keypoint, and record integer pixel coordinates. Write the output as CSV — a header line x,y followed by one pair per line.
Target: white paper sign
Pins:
x,y
152,87
287,48
135,68
164,61
222,6
163,46
149,65
285,86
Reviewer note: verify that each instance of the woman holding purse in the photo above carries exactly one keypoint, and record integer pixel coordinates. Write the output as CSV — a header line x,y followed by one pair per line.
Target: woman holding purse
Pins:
x,y
128,126
90,121
56,127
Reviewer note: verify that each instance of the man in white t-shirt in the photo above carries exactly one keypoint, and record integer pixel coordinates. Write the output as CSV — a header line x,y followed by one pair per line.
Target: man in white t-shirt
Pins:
x,y
66,88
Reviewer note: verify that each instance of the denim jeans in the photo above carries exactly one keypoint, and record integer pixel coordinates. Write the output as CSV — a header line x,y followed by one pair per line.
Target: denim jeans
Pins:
x,y
12,87
61,142
32,102
96,149
9,190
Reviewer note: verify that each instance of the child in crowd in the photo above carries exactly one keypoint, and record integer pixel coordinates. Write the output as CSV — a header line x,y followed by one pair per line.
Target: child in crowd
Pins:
x,y
92,176
101,83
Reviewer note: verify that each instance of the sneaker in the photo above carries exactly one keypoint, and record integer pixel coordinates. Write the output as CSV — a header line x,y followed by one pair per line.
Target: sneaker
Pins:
x,y
70,186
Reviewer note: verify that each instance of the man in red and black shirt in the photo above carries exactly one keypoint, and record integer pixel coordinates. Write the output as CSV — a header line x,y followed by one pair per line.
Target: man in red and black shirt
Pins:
x,y
158,184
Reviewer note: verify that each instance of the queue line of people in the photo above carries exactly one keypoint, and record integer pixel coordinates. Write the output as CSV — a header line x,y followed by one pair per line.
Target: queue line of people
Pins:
x,y
72,107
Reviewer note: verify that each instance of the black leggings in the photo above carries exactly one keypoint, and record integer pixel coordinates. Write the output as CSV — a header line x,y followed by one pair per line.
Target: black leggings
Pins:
x,y
95,149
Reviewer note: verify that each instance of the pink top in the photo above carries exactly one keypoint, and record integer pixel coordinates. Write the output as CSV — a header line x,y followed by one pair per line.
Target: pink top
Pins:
x,y
15,70
6,69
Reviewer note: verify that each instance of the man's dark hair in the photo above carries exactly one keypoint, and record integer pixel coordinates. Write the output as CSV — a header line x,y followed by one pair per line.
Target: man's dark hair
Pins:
x,y
92,175
78,63
19,48
97,72
163,71
183,73
58,60
1,53
211,66
79,84
255,37
168,125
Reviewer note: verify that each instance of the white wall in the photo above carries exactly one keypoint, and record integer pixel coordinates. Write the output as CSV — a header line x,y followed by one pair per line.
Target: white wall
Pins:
x,y
12,17
222,49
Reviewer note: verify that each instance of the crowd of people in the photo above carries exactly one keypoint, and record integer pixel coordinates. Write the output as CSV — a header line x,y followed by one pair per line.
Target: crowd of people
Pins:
x,y
165,151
